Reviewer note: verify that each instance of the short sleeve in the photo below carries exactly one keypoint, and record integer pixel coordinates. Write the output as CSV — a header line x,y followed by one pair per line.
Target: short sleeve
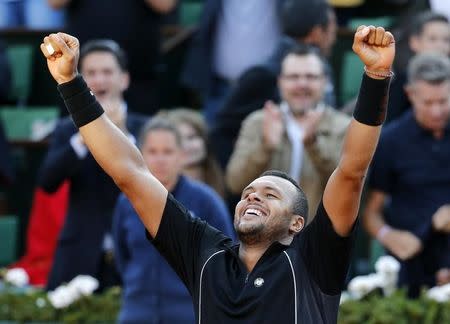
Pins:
x,y
326,254
182,240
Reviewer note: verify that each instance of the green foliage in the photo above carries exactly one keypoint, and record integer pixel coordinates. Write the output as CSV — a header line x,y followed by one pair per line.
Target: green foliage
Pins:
x,y
395,309
33,306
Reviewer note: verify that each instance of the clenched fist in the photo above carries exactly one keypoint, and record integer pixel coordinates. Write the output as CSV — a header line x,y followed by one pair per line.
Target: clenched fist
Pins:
x,y
63,60
375,47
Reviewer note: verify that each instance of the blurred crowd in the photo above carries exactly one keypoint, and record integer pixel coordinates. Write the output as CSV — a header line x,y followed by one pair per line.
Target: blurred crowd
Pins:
x,y
262,73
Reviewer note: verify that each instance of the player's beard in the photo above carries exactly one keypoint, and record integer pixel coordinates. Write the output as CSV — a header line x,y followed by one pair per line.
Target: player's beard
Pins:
x,y
250,235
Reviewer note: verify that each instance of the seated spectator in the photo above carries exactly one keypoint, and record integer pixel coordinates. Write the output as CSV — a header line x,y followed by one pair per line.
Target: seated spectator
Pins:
x,y
259,83
410,175
199,162
302,136
152,292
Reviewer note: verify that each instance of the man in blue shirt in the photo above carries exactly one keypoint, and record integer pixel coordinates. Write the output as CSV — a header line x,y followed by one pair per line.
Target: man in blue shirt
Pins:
x,y
411,167
152,292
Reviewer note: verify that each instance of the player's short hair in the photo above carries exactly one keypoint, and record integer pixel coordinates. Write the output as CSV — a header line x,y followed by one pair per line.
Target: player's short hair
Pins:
x,y
300,204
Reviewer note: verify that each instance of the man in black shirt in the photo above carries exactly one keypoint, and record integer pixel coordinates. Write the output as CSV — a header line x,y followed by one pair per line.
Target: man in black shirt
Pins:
x,y
278,273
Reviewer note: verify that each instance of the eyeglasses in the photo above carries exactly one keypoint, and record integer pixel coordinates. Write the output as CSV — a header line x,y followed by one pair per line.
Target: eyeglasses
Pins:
x,y
310,77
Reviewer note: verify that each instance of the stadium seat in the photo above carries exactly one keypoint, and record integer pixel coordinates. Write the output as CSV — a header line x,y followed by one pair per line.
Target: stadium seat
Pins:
x,y
8,233
20,57
190,12
28,123
350,76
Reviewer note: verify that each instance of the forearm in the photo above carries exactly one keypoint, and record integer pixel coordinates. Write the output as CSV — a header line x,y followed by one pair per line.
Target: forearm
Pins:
x,y
364,130
358,149
112,150
161,6
115,154
58,4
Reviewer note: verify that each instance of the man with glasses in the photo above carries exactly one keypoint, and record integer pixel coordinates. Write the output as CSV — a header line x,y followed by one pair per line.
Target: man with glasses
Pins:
x,y
302,136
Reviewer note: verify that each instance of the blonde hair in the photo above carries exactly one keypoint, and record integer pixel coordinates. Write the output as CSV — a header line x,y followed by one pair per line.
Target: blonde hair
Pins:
x,y
213,175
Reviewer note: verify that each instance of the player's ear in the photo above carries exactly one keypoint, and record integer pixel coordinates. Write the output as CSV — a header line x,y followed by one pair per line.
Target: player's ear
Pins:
x,y
297,224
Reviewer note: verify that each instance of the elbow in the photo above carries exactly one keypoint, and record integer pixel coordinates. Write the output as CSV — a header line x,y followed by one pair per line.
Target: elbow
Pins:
x,y
126,177
353,170
353,178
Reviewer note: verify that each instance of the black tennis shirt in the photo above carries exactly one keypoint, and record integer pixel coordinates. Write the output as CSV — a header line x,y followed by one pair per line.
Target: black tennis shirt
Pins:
x,y
296,283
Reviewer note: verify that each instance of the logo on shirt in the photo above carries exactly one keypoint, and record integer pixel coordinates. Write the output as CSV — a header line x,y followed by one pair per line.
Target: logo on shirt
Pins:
x,y
258,282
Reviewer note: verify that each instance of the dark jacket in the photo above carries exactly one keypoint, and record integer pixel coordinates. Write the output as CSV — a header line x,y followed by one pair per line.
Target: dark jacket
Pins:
x,y
91,201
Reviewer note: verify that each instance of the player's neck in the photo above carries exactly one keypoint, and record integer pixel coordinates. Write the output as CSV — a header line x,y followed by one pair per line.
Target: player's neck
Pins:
x,y
250,254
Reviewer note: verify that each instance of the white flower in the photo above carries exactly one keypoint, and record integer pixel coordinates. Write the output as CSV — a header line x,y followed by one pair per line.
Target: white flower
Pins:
x,y
17,276
362,285
62,296
387,264
85,285
387,268
440,294
79,286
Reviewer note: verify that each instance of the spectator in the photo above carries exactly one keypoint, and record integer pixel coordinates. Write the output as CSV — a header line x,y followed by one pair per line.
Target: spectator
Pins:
x,y
151,289
427,32
259,83
123,21
85,249
199,162
227,27
410,175
302,136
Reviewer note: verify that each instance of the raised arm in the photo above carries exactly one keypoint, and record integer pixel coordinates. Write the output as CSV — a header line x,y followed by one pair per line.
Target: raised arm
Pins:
x,y
376,49
109,146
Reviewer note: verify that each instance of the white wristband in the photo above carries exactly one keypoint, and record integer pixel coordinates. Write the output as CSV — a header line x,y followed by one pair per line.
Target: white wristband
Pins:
x,y
383,231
